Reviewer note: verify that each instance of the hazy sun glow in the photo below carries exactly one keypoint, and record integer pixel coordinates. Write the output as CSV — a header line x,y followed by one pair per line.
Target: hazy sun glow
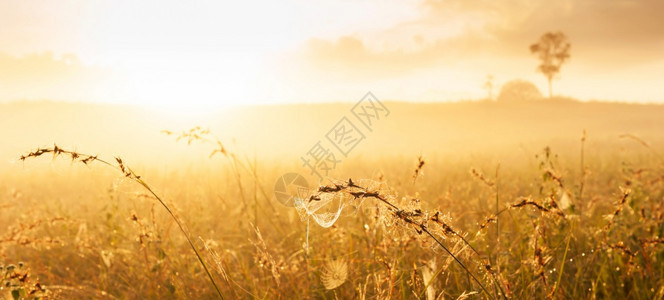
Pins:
x,y
191,58
346,149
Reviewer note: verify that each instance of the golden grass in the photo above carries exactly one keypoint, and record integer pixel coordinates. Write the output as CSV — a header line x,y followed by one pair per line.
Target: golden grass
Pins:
x,y
437,231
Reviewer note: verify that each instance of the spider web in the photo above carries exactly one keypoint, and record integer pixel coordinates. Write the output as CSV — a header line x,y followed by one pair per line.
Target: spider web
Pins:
x,y
326,211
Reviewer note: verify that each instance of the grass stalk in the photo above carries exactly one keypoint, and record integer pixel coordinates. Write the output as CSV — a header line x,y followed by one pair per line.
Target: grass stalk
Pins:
x,y
129,173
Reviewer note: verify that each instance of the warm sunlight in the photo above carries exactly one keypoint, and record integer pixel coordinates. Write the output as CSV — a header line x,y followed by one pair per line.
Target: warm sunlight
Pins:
x,y
195,85
332,149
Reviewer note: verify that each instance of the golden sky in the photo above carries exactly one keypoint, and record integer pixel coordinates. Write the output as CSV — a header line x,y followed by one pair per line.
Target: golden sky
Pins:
x,y
168,54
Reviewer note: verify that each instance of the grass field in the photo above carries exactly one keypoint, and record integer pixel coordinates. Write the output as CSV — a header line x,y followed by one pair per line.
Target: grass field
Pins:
x,y
559,200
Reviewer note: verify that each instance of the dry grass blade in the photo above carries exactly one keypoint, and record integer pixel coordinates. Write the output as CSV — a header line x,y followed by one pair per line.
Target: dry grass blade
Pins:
x,y
407,217
418,168
129,173
619,208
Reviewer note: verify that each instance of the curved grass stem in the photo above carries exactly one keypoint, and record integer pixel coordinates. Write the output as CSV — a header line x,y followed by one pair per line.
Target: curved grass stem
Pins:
x,y
129,173
425,230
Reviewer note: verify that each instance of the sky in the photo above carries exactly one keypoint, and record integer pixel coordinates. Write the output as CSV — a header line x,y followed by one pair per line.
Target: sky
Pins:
x,y
211,54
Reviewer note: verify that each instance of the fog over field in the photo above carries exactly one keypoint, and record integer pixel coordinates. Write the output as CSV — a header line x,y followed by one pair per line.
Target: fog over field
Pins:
x,y
356,149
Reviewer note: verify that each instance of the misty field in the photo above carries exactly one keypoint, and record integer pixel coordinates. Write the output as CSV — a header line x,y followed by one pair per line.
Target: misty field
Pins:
x,y
444,201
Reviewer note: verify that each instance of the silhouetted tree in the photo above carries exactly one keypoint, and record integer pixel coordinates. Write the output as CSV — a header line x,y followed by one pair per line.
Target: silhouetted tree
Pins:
x,y
552,50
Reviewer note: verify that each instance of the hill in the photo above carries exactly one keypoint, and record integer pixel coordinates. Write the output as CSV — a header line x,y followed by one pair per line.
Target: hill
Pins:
x,y
288,131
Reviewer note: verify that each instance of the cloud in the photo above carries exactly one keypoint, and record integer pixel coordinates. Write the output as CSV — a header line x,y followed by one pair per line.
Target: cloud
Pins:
x,y
353,56
605,35
47,76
